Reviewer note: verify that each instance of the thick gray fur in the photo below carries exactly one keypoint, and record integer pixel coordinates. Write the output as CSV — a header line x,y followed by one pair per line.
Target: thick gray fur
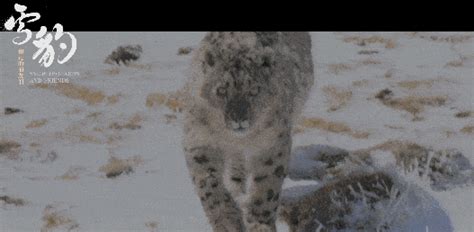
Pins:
x,y
244,93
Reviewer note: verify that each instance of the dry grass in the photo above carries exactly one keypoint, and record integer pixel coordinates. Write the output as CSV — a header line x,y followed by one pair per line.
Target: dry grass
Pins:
x,y
319,123
72,173
334,127
94,115
172,101
175,104
360,83
338,68
12,200
184,50
416,84
336,97
455,63
468,129
360,134
388,73
34,144
170,118
133,123
405,153
394,127
10,149
363,41
370,61
447,38
75,133
155,99
152,226
84,138
412,104
367,52
415,104
390,44
116,70
449,133
75,110
395,146
111,139
297,130
116,166
464,114
56,220
112,71
113,99
135,119
73,91
36,123
146,67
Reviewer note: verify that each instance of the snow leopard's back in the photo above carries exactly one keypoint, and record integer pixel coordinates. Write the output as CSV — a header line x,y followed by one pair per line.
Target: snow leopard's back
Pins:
x,y
300,44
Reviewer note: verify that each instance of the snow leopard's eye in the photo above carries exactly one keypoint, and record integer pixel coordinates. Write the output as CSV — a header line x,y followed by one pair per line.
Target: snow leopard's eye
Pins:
x,y
254,91
221,91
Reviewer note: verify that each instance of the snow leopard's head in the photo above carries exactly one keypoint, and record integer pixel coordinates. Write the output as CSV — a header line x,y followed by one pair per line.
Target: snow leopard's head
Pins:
x,y
237,70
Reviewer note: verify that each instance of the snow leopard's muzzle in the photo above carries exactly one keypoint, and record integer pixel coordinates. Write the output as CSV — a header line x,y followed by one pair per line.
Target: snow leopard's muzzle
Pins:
x,y
238,114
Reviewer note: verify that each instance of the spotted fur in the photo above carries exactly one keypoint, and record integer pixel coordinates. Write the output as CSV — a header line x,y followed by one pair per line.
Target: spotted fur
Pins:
x,y
245,91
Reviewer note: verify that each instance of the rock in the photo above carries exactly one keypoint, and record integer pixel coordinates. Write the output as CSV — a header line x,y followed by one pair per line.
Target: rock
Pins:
x,y
116,167
12,201
384,94
184,50
124,54
362,202
10,149
11,110
315,161
444,169
363,191
449,169
331,203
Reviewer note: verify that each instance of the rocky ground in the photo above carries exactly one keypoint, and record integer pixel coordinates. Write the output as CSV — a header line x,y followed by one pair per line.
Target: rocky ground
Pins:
x,y
103,153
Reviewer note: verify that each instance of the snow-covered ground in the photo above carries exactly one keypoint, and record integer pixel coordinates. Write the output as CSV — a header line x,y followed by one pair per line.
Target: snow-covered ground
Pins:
x,y
66,139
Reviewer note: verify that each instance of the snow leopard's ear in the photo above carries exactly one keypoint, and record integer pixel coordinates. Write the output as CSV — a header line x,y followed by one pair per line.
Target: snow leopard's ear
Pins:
x,y
213,38
267,38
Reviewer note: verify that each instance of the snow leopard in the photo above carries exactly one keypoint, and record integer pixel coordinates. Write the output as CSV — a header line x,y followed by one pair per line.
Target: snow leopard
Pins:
x,y
242,98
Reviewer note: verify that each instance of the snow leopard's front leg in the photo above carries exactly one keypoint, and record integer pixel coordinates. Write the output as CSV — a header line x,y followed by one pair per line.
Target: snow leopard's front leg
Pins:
x,y
206,166
268,171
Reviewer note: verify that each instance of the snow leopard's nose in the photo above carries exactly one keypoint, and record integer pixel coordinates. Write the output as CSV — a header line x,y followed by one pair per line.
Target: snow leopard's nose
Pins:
x,y
240,126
